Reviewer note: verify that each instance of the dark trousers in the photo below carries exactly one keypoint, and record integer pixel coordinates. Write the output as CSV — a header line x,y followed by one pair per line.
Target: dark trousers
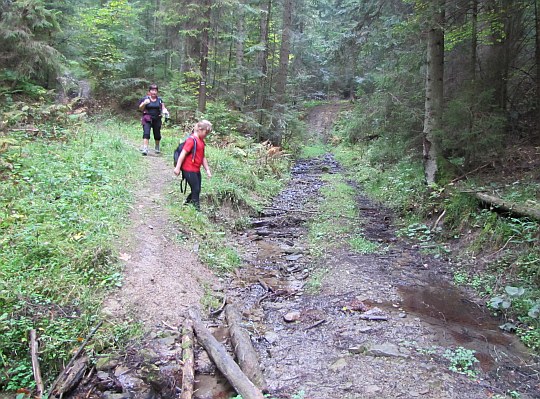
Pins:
x,y
155,125
194,180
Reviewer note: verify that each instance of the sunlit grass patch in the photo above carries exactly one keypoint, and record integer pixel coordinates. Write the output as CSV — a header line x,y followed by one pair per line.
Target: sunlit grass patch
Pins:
x,y
313,150
336,215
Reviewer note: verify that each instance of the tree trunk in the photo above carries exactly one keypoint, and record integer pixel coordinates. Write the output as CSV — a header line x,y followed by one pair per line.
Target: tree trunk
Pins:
x,y
537,18
262,58
474,39
434,92
511,207
240,74
243,348
226,364
207,8
284,52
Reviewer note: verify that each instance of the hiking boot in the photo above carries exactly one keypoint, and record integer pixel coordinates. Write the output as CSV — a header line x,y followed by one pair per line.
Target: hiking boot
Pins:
x,y
144,150
157,149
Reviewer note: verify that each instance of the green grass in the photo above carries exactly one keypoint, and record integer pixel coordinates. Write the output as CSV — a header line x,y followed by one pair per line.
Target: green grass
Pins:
x,y
62,205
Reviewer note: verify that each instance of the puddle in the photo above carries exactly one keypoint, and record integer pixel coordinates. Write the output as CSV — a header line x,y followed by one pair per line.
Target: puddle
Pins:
x,y
461,322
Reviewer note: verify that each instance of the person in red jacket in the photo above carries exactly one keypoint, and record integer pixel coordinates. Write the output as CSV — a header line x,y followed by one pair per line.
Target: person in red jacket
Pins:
x,y
190,166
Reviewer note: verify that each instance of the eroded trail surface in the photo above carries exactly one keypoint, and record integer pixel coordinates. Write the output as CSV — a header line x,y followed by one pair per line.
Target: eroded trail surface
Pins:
x,y
379,324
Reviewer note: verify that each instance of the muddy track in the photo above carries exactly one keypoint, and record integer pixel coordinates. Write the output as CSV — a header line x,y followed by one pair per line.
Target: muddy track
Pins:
x,y
377,327
325,344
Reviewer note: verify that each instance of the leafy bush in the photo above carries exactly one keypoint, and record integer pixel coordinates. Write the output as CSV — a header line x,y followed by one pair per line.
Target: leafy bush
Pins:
x,y
462,361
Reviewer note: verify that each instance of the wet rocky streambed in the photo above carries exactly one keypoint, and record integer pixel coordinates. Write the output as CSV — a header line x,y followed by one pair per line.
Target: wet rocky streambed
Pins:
x,y
378,327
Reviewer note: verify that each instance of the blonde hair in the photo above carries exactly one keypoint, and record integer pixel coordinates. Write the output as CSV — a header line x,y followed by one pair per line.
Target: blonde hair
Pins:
x,y
204,124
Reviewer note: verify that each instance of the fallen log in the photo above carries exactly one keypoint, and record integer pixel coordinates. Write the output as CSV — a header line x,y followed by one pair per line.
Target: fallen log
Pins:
x,y
225,363
507,206
71,376
243,348
188,369
34,350
63,379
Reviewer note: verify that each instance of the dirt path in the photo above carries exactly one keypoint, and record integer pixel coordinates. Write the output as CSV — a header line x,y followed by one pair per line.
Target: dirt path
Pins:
x,y
324,345
161,279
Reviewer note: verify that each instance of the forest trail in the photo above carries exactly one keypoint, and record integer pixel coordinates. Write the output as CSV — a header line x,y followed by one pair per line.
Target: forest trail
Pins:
x,y
161,280
377,327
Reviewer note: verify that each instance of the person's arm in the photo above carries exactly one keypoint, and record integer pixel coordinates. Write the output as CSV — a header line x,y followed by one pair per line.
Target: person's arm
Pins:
x,y
180,162
206,167
164,111
143,103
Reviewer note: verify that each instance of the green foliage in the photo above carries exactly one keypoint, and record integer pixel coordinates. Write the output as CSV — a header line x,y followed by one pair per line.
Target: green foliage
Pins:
x,y
472,128
244,178
337,202
62,204
313,151
25,31
462,361
103,37
459,208
525,305
363,246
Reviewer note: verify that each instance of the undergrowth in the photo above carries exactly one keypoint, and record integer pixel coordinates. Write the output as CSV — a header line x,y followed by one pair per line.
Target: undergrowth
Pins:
x,y
62,204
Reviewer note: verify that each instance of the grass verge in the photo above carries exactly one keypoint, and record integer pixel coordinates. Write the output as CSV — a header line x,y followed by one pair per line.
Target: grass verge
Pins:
x,y
62,205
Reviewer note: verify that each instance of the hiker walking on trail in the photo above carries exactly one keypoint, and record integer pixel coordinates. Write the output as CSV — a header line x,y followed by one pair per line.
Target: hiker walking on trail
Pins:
x,y
153,108
191,159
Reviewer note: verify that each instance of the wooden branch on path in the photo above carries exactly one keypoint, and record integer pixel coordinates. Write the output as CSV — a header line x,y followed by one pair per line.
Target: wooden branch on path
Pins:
x,y
243,348
34,349
225,363
507,206
373,317
188,369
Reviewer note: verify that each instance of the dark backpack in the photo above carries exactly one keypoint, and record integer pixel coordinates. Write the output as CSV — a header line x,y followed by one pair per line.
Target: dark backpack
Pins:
x,y
181,147
177,155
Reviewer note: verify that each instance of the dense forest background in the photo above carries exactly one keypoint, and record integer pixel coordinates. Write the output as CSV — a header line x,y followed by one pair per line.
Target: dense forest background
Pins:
x,y
461,77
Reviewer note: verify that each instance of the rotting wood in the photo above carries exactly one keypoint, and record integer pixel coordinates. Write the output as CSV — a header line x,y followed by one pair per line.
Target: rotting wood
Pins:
x,y
373,317
188,370
34,349
243,348
314,325
52,389
225,363
507,206
71,376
